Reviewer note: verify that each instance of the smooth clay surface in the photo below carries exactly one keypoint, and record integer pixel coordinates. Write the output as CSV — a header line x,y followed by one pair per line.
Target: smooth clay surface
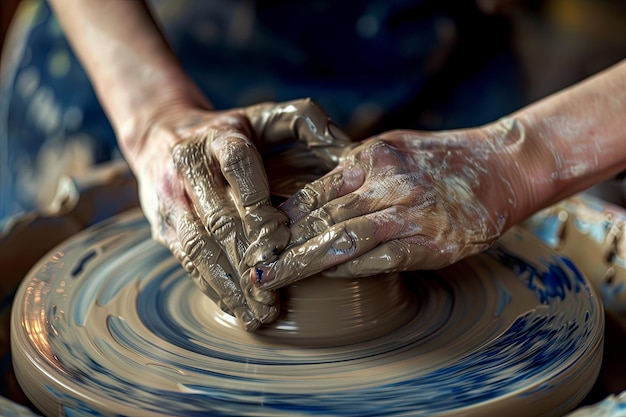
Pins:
x,y
110,324
321,311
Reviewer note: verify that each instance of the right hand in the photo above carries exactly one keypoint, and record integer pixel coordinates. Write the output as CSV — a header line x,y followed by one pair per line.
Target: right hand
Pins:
x,y
405,200
204,190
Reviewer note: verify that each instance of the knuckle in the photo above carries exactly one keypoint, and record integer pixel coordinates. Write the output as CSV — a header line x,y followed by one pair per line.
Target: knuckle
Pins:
x,y
192,271
308,196
235,151
252,195
378,145
263,220
220,225
323,215
177,251
377,152
181,152
194,246
185,155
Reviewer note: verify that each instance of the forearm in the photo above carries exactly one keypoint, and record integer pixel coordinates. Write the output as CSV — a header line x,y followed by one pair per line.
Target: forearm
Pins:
x,y
131,66
571,140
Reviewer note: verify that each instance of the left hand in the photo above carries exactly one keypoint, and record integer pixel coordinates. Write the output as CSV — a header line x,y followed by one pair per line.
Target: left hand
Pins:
x,y
203,188
404,200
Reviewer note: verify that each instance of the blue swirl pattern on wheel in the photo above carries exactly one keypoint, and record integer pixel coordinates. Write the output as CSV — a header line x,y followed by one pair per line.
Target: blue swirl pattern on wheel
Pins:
x,y
109,324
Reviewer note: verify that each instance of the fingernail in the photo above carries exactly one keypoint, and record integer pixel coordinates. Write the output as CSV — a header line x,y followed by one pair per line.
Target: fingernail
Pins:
x,y
261,275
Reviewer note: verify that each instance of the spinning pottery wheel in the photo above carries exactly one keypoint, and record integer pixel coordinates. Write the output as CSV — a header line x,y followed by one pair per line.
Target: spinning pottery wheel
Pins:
x,y
109,324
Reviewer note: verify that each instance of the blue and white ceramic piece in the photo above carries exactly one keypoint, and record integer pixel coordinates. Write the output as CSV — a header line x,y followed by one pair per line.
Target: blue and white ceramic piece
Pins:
x,y
109,324
592,233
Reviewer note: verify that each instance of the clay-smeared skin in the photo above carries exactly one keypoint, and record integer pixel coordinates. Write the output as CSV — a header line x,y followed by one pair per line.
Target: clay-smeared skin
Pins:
x,y
414,200
404,200
209,202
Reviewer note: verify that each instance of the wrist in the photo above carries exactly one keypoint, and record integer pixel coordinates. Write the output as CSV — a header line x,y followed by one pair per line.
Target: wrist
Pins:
x,y
575,137
158,111
520,166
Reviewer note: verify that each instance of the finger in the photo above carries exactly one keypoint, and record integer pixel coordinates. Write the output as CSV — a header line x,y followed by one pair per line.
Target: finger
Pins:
x,y
334,246
301,119
321,219
208,193
397,190
241,165
191,270
313,196
269,231
210,199
337,245
345,178
216,272
243,169
322,203
215,278
262,299
373,161
393,256
343,242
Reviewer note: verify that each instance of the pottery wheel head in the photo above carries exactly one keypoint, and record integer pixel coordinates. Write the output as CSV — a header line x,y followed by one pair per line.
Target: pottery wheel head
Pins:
x,y
98,326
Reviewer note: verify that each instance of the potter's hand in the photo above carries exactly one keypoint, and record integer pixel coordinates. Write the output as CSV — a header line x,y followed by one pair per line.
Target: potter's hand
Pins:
x,y
205,193
402,201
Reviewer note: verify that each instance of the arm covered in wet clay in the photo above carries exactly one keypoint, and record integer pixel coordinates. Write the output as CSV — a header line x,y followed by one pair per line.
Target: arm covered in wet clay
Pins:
x,y
201,179
407,200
